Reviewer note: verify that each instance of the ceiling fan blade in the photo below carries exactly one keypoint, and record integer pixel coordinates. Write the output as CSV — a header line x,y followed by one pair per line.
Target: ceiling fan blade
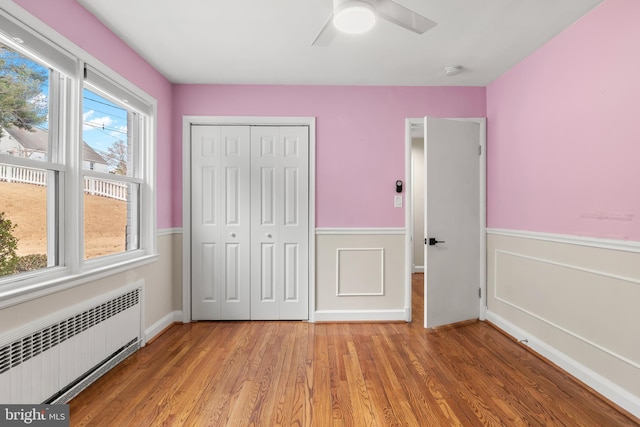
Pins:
x,y
326,34
400,15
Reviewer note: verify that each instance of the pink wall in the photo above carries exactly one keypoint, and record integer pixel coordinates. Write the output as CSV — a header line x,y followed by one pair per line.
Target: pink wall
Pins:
x,y
562,147
360,137
71,20
563,135
360,130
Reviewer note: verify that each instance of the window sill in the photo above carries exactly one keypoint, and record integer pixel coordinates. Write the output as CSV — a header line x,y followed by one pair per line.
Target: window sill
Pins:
x,y
29,289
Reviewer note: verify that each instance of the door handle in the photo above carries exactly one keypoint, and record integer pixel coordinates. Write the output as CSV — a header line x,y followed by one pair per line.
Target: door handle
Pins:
x,y
432,241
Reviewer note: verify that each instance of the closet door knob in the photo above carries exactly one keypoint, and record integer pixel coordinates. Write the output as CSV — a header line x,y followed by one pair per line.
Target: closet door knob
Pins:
x,y
269,235
233,234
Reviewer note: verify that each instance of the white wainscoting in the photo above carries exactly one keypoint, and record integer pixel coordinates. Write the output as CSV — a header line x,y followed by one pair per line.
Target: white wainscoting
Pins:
x,y
360,274
575,301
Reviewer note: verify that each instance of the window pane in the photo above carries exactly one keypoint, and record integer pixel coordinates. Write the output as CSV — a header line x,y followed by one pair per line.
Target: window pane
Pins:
x,y
23,219
24,106
106,135
27,195
110,217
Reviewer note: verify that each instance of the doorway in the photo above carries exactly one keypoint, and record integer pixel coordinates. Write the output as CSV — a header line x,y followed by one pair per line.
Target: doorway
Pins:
x,y
415,238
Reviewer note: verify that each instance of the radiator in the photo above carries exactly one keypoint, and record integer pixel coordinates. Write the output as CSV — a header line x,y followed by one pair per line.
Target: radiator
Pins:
x,y
55,358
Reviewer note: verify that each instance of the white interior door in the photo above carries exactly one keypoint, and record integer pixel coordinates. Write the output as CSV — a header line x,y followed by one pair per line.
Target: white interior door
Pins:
x,y
220,230
452,217
280,222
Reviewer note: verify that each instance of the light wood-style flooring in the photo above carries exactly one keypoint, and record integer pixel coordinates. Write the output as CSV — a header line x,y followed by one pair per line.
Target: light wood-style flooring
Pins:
x,y
343,374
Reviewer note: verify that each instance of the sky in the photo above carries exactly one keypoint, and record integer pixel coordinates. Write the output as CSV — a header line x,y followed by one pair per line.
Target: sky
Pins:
x,y
103,121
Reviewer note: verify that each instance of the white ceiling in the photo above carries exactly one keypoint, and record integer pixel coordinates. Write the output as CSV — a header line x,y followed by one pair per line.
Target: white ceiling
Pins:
x,y
269,41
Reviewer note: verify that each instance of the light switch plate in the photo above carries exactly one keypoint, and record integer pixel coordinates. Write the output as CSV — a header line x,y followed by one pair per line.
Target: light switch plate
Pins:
x,y
397,201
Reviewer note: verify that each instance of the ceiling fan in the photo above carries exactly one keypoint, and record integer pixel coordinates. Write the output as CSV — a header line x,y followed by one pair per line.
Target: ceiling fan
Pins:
x,y
359,16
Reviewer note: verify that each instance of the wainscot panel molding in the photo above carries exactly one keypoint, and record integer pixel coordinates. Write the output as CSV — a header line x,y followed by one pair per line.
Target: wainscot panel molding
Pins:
x,y
619,245
360,271
167,231
578,279
574,300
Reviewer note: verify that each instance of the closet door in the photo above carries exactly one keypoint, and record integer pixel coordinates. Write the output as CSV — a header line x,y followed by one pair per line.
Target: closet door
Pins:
x,y
279,222
220,240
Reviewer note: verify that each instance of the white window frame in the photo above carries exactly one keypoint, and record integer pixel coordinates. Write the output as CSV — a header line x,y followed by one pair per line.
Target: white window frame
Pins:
x,y
60,54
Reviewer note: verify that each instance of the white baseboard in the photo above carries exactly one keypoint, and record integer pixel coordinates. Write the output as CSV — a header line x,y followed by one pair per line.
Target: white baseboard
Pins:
x,y
350,231
602,385
162,324
418,269
359,315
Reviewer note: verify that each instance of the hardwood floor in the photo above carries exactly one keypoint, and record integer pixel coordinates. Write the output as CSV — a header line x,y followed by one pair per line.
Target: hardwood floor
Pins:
x,y
345,374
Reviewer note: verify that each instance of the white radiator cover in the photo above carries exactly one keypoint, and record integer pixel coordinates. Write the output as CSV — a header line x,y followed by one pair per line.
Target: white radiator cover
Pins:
x,y
54,358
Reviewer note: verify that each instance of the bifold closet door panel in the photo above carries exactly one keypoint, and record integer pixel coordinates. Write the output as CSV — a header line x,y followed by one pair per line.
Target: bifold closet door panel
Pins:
x,y
220,222
279,222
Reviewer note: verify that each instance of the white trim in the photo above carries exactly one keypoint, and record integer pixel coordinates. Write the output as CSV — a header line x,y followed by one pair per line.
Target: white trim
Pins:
x,y
382,283
168,231
409,123
483,219
602,385
549,322
187,121
311,121
162,324
565,265
408,214
248,121
13,295
418,268
101,84
186,220
34,44
31,163
352,230
361,315
593,242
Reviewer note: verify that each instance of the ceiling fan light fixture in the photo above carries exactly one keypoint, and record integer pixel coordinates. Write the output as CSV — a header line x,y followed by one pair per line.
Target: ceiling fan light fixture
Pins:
x,y
354,17
452,70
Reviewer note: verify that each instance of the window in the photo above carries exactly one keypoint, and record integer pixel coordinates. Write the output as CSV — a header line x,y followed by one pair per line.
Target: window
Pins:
x,y
76,166
29,181
112,131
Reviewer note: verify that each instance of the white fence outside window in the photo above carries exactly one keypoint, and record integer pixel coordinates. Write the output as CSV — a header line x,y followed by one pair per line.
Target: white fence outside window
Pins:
x,y
93,186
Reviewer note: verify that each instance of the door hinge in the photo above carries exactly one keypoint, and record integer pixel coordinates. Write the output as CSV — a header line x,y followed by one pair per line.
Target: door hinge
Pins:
x,y
480,293
479,150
